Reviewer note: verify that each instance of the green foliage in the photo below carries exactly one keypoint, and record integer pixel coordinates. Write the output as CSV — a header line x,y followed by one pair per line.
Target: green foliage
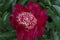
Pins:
x,y
52,31
57,9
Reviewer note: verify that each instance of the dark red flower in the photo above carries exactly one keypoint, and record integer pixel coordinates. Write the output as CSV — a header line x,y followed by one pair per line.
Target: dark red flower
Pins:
x,y
29,21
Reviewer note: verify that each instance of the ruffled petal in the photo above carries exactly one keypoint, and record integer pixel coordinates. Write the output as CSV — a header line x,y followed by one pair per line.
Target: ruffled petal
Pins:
x,y
30,34
40,31
34,7
41,23
43,18
12,21
18,8
19,34
43,13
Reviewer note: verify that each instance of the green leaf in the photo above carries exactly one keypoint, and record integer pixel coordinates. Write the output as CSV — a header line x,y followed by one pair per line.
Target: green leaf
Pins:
x,y
34,0
56,37
5,16
7,35
2,2
7,5
50,25
22,1
57,8
0,21
6,23
41,4
57,2
0,13
56,20
14,2
44,37
49,2
50,12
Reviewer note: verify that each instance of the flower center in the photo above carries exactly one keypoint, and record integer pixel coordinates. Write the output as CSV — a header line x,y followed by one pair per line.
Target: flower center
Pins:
x,y
27,19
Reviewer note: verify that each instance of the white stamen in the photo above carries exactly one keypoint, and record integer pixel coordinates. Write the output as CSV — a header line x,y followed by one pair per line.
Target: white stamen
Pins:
x,y
27,19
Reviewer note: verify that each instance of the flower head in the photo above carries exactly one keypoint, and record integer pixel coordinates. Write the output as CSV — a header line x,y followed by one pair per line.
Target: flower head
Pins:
x,y
29,21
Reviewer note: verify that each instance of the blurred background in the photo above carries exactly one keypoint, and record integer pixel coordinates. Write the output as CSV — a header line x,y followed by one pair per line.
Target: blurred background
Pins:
x,y
52,30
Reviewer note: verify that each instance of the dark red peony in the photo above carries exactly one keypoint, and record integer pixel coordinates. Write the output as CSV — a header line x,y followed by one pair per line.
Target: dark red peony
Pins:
x,y
29,21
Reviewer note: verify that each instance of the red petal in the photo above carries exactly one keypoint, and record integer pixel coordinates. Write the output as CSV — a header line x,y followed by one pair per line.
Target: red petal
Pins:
x,y
41,23
43,18
18,8
34,7
41,27
43,13
40,31
12,21
19,34
30,34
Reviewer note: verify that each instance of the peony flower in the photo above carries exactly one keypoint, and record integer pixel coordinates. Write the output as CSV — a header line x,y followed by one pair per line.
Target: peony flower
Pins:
x,y
29,21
